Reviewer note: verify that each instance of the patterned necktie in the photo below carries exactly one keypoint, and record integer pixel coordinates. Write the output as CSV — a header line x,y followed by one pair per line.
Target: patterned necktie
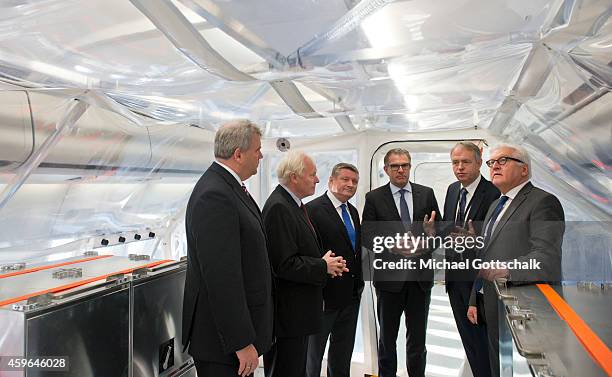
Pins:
x,y
404,211
491,223
245,190
459,221
346,218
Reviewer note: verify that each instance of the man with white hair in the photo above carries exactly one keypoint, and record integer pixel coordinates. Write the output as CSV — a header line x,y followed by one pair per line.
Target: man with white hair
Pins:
x,y
299,271
525,224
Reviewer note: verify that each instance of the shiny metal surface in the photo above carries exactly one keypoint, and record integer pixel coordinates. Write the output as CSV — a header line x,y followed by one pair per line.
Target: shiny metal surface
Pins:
x,y
158,301
92,332
17,286
12,342
543,332
98,327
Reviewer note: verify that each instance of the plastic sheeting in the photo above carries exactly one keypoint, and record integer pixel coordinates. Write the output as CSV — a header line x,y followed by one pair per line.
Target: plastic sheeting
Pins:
x,y
143,72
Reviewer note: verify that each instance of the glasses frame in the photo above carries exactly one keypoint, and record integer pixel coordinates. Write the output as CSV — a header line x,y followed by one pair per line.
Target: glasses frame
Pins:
x,y
396,167
503,160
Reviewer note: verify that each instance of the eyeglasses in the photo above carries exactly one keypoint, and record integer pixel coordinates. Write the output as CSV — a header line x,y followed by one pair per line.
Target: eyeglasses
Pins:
x,y
395,167
502,161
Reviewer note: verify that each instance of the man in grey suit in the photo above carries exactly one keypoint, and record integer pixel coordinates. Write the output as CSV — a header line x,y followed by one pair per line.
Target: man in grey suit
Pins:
x,y
525,223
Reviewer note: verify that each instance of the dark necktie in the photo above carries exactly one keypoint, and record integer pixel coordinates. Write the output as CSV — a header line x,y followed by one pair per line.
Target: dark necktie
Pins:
x,y
491,223
346,218
303,207
404,211
245,190
459,221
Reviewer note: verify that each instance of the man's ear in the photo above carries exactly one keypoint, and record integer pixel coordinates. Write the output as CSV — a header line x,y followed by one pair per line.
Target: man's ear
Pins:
x,y
237,155
525,171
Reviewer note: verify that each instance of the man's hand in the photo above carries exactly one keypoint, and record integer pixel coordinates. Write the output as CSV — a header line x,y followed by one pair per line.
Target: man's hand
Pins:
x,y
336,266
248,360
429,226
472,314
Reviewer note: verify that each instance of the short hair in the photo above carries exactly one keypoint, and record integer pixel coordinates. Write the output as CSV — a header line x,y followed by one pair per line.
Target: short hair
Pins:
x,y
396,151
233,135
343,165
519,153
469,146
293,162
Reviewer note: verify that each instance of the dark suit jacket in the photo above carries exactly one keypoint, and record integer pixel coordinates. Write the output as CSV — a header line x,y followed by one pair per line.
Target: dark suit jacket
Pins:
x,y
531,227
298,269
380,216
339,291
228,301
485,194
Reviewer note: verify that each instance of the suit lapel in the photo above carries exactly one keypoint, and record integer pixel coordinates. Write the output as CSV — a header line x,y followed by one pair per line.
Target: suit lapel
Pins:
x,y
454,196
516,202
416,201
299,212
390,202
237,189
331,210
477,199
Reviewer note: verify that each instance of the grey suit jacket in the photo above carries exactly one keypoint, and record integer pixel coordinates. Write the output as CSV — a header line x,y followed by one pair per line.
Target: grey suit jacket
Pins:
x,y
531,228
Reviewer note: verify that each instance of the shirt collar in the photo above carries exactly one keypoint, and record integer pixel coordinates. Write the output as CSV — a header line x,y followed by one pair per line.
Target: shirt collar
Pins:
x,y
395,189
298,201
335,202
233,173
515,190
471,188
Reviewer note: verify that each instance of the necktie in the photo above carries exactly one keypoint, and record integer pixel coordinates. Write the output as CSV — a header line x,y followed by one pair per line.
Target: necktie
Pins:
x,y
346,218
303,207
459,221
404,211
245,190
496,212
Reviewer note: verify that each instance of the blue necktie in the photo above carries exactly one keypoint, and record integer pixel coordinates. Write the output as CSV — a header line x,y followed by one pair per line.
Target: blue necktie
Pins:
x,y
494,216
346,218
404,211
459,221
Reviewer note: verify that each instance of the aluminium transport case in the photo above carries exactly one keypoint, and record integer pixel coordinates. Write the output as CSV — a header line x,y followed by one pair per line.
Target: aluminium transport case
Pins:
x,y
109,316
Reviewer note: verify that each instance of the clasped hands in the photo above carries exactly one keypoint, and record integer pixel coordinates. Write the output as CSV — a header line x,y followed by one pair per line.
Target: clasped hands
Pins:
x,y
336,266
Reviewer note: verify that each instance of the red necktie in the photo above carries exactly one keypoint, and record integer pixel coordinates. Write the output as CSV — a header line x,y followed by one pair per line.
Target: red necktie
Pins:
x,y
245,190
303,207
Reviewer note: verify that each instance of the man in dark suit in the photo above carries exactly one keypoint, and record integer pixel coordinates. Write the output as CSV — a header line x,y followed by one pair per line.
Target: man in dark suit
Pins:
x,y
299,270
337,223
227,307
525,223
406,204
466,204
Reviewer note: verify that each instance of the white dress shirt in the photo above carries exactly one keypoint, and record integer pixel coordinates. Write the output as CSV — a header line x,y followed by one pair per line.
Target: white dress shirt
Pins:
x,y
338,206
471,190
407,195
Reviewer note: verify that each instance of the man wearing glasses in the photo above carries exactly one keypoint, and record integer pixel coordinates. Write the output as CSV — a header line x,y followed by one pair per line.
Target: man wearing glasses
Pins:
x,y
525,223
398,207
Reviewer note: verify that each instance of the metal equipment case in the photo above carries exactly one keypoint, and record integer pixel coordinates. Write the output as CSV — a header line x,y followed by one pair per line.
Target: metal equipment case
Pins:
x,y
111,316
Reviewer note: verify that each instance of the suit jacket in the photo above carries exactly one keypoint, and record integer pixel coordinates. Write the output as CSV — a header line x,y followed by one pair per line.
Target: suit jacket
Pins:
x,y
381,217
228,299
485,194
298,269
531,227
339,291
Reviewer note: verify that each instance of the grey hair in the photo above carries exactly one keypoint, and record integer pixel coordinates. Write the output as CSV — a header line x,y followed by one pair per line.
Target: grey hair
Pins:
x,y
343,165
470,147
396,151
293,162
234,135
519,153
